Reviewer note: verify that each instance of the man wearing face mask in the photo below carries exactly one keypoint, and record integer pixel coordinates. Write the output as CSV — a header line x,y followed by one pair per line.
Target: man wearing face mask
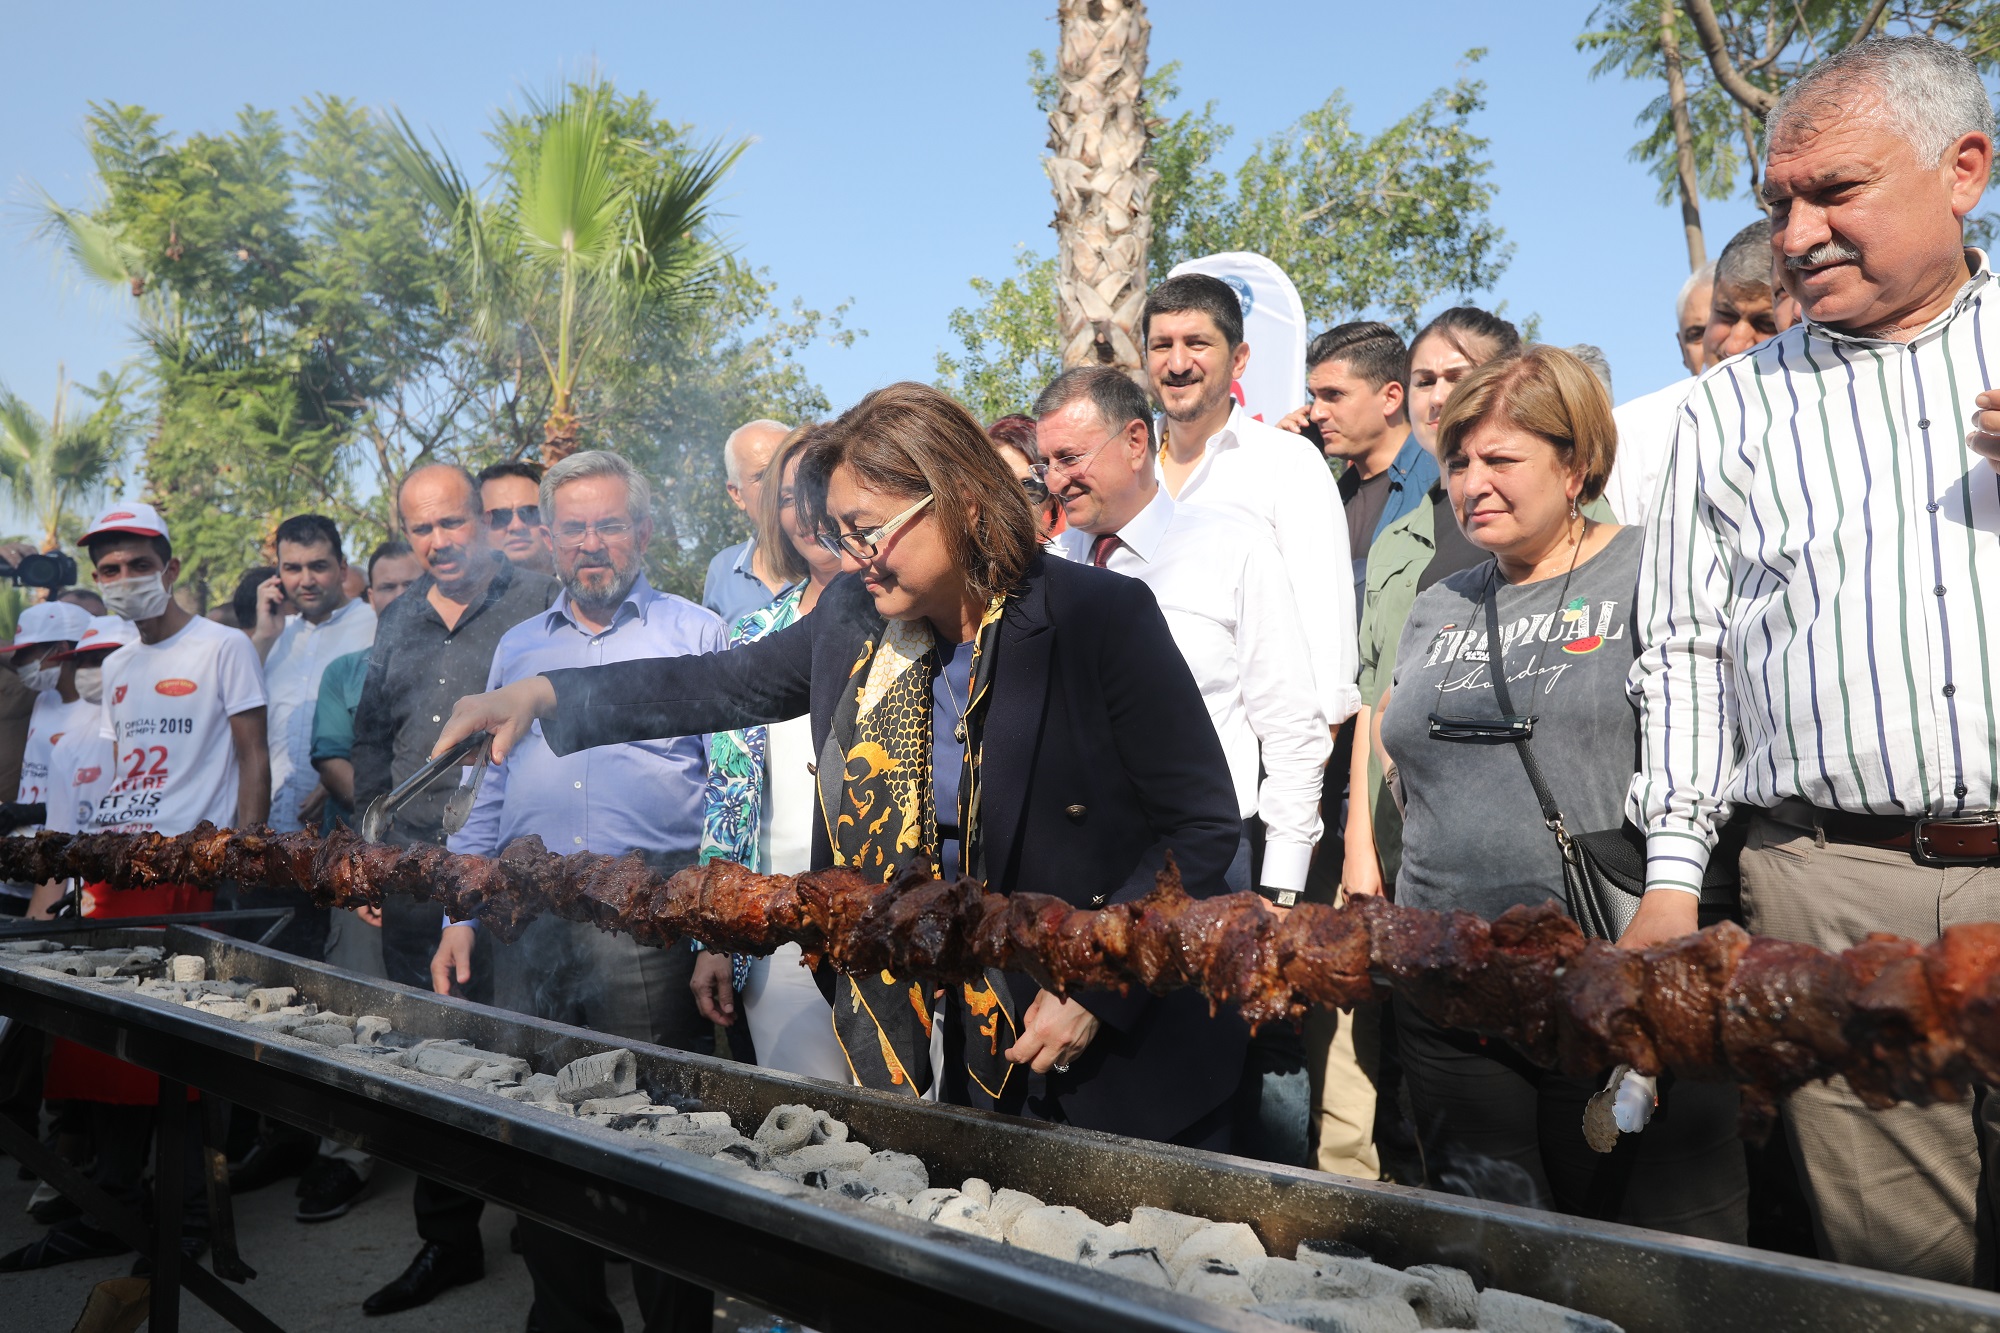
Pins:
x,y
45,630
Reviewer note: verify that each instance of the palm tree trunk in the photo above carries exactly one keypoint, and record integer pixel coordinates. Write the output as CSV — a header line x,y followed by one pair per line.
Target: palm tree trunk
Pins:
x,y
1677,99
559,434
1097,138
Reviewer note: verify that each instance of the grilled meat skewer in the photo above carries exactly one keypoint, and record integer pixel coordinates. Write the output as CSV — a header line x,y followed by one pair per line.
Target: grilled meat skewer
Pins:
x,y
1901,1022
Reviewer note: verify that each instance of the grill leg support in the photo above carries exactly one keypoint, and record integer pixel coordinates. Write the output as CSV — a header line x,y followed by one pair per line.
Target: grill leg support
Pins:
x,y
169,1191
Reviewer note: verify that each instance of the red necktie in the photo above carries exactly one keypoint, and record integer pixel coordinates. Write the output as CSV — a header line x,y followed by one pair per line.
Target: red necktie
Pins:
x,y
1101,549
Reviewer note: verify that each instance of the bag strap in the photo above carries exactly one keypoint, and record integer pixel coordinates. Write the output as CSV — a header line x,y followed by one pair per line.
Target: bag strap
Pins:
x,y
1497,664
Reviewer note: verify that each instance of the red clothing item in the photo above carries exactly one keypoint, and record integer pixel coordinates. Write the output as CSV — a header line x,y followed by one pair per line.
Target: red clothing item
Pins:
x,y
80,1074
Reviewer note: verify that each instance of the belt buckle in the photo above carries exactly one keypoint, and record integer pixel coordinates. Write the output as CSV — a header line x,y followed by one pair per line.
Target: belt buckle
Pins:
x,y
1920,850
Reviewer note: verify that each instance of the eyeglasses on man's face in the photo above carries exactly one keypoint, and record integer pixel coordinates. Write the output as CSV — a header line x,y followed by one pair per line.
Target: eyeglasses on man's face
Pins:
x,y
573,534
1071,464
498,519
861,544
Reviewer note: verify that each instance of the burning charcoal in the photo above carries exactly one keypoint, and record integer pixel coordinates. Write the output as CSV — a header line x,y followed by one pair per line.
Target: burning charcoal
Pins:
x,y
828,1130
964,1213
747,1151
927,1204
1136,1264
1378,1315
446,1061
787,1128
1232,1242
1507,1312
270,999
1008,1205
1318,1248
822,1157
286,1020
1286,1280
369,1029
187,967
631,1101
1453,1302
1364,1277
326,1034
977,1190
896,1173
1060,1232
606,1074
222,1007
1158,1229
1214,1280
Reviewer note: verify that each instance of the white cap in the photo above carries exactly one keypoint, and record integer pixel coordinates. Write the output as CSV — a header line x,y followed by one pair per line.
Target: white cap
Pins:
x,y
103,632
133,516
49,622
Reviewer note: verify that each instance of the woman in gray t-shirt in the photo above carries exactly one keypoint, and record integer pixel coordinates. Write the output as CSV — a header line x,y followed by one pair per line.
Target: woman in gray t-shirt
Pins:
x,y
1523,442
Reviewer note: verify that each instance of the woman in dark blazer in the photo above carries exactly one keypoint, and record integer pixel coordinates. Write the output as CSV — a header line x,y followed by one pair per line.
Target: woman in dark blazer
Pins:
x,y
979,706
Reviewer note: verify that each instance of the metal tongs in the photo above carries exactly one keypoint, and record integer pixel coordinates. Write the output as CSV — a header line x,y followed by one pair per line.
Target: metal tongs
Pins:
x,y
375,820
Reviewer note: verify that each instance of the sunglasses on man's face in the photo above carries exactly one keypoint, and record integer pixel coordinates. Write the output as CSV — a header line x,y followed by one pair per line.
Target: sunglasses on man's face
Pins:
x,y
504,518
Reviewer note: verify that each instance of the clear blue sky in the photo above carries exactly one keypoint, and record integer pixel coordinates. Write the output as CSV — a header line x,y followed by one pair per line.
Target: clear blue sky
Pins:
x,y
897,149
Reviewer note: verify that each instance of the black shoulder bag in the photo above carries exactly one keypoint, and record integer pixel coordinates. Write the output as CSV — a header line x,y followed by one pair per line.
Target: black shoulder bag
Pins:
x,y
1604,873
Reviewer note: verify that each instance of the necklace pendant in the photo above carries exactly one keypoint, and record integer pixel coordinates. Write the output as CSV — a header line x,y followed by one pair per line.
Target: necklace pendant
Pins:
x,y
958,732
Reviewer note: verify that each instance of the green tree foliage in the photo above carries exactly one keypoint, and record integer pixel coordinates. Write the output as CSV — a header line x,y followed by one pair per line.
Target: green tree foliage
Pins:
x,y
595,235
1381,224
1010,341
1770,44
55,467
307,331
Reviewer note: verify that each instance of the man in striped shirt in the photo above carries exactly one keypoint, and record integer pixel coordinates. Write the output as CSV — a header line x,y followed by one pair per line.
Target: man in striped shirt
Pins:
x,y
1819,607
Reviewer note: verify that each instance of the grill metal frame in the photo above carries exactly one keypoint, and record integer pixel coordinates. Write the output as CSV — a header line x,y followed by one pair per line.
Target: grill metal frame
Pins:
x,y
835,1265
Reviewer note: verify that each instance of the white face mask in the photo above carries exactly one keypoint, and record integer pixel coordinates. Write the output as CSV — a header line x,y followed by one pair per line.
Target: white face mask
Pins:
x,y
90,684
141,598
38,676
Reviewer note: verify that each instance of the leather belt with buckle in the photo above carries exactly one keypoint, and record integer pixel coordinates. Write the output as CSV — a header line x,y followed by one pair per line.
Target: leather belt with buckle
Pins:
x,y
1966,840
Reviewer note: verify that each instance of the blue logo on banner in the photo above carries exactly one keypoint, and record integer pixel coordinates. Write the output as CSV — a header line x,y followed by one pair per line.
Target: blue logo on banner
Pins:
x,y
1243,294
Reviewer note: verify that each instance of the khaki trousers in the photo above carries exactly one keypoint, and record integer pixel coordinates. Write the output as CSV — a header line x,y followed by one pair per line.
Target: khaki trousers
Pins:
x,y
1899,1190
1343,1049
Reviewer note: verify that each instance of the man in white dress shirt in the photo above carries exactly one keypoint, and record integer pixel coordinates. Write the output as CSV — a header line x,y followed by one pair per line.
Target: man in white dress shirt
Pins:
x,y
1217,456
1230,607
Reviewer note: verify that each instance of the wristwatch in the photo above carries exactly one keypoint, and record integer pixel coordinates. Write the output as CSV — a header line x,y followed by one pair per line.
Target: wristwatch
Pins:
x,y
1281,897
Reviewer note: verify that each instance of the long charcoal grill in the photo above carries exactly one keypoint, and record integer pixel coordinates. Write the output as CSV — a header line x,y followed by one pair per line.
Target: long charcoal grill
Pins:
x,y
835,1265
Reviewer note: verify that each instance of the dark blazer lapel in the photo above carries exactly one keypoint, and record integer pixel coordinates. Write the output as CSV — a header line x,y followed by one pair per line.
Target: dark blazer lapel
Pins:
x,y
1013,727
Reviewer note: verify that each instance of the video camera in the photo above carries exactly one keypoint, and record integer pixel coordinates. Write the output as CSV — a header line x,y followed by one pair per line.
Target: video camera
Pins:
x,y
44,569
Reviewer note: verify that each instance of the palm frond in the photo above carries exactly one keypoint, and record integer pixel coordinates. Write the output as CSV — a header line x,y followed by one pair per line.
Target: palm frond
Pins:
x,y
99,249
566,198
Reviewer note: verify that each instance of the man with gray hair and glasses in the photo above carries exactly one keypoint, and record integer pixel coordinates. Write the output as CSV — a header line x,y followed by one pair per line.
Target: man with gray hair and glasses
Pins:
x,y
645,796
1817,615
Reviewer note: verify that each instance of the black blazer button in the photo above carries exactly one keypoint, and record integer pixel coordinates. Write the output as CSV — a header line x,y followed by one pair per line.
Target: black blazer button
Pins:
x,y
1075,813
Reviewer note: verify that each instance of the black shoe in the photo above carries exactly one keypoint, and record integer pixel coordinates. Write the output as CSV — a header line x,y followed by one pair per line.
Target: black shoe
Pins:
x,y
62,1245
269,1161
328,1189
433,1272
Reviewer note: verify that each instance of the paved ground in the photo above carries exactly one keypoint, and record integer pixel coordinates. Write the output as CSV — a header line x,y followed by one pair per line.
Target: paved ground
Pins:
x,y
310,1279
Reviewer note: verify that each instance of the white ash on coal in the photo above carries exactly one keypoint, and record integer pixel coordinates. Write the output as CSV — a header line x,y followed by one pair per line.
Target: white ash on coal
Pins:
x,y
1327,1286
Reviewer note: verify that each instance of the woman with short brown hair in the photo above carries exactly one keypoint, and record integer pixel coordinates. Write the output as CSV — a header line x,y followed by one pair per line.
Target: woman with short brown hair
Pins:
x,y
1528,653
977,706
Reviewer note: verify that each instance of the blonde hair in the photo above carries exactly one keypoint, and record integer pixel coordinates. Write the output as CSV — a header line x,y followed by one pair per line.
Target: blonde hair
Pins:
x,y
770,516
1547,392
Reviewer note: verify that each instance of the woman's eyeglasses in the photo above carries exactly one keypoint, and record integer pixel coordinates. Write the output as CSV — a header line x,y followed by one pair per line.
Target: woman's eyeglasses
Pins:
x,y
1482,730
862,542
504,518
1037,489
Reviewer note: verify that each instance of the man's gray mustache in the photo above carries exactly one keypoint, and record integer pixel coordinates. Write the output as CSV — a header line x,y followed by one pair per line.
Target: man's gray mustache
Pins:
x,y
1826,252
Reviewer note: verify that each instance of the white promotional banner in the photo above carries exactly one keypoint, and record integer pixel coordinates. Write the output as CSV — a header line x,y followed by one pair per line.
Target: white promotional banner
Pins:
x,y
1274,324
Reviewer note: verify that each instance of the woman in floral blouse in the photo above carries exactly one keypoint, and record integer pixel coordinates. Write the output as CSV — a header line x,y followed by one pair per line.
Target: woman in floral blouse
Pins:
x,y
760,809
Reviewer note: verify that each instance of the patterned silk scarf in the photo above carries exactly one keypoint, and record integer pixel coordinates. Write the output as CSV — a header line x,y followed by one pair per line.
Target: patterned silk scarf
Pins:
x,y
882,820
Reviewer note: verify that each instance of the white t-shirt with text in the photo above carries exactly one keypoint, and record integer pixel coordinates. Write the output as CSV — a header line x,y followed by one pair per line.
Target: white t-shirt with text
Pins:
x,y
82,771
167,707
51,720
